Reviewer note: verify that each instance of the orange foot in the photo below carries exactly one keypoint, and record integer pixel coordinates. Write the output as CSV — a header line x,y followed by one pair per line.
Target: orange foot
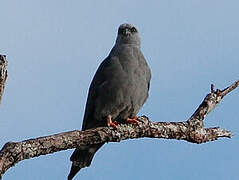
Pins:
x,y
110,123
132,120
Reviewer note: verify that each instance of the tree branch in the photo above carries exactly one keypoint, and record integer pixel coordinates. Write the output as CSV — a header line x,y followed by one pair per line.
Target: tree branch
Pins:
x,y
3,74
192,131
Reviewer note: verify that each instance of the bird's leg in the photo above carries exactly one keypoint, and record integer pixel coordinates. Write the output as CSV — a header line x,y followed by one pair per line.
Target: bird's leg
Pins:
x,y
132,120
110,123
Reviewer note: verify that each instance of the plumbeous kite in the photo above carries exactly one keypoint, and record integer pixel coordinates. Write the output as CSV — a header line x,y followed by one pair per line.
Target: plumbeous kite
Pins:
x,y
117,92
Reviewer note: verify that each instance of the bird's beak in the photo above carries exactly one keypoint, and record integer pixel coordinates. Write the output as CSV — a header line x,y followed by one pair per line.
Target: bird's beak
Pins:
x,y
126,32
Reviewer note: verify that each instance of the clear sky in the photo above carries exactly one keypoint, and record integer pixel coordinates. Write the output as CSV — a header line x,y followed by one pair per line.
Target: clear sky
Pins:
x,y
54,48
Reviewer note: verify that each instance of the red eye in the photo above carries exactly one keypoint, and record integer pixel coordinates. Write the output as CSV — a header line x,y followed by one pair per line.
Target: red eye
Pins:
x,y
133,29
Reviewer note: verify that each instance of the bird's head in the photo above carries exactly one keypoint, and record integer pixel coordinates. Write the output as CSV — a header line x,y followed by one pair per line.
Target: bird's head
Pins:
x,y
128,34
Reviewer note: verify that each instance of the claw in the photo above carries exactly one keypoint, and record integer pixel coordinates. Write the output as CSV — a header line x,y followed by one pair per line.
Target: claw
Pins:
x,y
132,120
110,123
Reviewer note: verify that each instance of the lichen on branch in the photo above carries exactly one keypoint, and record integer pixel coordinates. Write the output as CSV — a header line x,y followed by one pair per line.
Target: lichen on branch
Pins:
x,y
3,74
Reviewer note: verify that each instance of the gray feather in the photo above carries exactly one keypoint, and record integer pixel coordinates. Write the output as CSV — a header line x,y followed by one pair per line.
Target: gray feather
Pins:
x,y
119,88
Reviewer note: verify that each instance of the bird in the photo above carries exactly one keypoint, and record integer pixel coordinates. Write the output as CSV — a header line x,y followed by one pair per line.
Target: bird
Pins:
x,y
118,90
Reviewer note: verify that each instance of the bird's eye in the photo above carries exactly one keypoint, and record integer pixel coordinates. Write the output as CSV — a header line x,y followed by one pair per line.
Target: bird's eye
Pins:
x,y
133,29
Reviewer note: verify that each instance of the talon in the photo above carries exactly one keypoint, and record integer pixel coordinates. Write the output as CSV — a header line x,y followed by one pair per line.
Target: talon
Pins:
x,y
113,124
110,123
132,120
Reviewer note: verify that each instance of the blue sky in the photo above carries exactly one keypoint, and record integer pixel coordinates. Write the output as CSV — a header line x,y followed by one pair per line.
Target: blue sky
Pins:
x,y
54,48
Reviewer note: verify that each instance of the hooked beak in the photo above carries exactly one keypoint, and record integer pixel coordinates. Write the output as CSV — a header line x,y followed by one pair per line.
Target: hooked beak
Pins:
x,y
126,32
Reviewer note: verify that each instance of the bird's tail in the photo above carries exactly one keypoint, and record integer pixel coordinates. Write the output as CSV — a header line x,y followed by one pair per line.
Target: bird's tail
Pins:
x,y
81,158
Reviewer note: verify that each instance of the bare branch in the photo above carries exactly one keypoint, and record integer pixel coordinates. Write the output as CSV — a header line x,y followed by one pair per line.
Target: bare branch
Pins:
x,y
225,91
192,131
3,74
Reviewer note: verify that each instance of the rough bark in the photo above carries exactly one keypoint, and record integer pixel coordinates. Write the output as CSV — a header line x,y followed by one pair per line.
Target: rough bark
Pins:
x,y
191,130
3,74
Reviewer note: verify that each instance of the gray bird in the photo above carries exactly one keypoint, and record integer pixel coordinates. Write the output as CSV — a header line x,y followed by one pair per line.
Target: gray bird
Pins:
x,y
117,92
